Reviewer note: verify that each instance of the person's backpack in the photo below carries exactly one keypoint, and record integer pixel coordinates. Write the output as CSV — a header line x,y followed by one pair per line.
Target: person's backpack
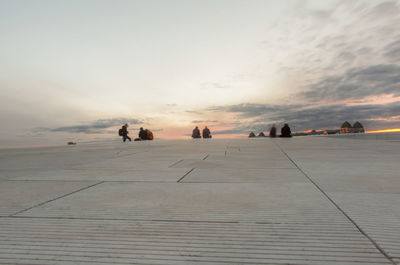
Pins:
x,y
120,132
149,135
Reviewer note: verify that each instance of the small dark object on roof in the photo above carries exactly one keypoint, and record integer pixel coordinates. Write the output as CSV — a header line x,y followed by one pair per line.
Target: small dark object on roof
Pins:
x,y
71,143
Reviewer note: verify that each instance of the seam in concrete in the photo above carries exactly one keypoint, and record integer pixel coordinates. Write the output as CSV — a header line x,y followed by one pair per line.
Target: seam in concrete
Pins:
x,y
377,246
121,219
187,173
176,163
55,180
51,200
206,157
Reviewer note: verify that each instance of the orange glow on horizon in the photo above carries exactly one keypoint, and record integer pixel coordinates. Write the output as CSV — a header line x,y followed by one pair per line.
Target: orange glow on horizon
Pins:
x,y
186,132
385,130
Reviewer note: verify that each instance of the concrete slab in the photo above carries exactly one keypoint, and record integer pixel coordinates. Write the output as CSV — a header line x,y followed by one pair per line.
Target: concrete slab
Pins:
x,y
362,176
230,162
107,174
270,175
377,213
243,202
228,202
66,241
16,196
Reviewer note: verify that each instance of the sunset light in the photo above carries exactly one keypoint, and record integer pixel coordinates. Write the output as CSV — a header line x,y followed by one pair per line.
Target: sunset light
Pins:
x,y
79,70
384,131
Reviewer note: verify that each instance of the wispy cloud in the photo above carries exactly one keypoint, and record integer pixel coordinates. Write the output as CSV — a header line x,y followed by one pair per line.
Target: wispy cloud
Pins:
x,y
357,83
94,127
309,117
204,121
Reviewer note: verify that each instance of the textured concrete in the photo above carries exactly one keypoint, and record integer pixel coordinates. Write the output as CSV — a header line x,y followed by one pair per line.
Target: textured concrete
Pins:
x,y
305,200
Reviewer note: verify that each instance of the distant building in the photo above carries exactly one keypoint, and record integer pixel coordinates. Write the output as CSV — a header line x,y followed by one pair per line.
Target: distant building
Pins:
x,y
326,132
346,127
315,132
356,128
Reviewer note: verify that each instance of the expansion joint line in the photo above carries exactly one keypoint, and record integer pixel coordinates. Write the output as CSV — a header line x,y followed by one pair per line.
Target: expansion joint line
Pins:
x,y
176,163
377,246
63,196
187,173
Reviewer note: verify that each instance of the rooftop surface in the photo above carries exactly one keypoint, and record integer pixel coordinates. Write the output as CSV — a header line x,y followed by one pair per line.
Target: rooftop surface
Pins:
x,y
304,200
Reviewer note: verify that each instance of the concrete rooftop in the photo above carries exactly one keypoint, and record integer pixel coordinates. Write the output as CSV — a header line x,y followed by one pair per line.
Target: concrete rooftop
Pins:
x,y
305,200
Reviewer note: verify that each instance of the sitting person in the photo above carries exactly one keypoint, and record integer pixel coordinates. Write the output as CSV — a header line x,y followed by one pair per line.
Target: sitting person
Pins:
x,y
272,131
206,133
285,131
252,135
142,134
149,135
196,133
261,134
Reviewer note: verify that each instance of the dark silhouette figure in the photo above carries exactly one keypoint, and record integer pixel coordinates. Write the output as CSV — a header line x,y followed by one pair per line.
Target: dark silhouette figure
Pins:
x,y
196,133
252,135
142,134
124,133
285,131
272,131
206,133
149,135
261,134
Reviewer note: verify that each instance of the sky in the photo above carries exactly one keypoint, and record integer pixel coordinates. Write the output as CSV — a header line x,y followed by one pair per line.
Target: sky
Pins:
x,y
77,70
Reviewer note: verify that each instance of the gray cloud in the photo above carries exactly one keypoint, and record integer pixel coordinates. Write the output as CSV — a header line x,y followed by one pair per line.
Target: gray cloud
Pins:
x,y
246,128
249,110
204,121
306,117
357,83
393,51
94,127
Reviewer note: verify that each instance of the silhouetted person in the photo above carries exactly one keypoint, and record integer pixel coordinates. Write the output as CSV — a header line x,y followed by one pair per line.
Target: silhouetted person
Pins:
x,y
196,133
142,134
149,135
285,131
252,135
261,134
206,133
124,133
272,131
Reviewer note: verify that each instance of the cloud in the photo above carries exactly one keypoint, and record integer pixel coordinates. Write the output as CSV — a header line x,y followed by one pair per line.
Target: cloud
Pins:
x,y
204,121
215,85
250,110
304,117
393,51
94,127
357,83
246,128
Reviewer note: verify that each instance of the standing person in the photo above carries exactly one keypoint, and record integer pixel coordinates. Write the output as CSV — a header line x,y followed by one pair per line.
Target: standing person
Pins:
x,y
285,131
142,134
196,133
206,133
272,131
124,132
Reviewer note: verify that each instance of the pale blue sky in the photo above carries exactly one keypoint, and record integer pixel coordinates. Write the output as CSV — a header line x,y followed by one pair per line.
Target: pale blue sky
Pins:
x,y
166,63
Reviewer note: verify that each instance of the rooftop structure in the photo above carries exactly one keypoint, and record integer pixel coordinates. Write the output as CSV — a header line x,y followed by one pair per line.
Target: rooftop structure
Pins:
x,y
356,128
302,200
